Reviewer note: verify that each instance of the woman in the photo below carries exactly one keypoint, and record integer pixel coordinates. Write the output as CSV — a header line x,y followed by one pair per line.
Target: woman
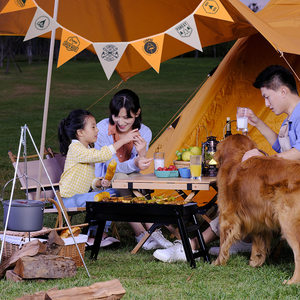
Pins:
x,y
125,116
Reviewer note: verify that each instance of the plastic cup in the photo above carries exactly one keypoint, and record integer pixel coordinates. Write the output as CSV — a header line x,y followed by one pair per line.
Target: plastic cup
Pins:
x,y
195,166
159,160
242,119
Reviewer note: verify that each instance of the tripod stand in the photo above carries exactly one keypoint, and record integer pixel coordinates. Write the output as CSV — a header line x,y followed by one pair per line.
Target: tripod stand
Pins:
x,y
24,131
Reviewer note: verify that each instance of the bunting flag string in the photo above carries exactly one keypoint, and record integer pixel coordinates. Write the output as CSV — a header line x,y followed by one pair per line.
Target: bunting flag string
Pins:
x,y
186,32
151,50
70,45
17,5
110,53
213,9
40,24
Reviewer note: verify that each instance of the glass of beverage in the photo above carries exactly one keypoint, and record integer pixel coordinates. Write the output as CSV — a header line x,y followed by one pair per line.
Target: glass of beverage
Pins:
x,y
195,166
159,160
242,119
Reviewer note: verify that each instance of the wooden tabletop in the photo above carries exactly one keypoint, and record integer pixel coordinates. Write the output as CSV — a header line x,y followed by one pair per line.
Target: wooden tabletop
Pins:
x,y
150,181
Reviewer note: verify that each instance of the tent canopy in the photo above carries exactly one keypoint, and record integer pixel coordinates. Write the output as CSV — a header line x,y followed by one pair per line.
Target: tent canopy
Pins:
x,y
128,20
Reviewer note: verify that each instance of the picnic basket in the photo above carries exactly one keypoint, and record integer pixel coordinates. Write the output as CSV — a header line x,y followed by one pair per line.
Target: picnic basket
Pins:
x,y
15,240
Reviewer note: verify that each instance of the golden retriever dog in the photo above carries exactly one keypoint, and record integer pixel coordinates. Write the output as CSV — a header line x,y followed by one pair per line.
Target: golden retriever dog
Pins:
x,y
257,196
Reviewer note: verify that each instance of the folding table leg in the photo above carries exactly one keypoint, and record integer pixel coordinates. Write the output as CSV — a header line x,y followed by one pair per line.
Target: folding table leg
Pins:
x,y
186,243
98,238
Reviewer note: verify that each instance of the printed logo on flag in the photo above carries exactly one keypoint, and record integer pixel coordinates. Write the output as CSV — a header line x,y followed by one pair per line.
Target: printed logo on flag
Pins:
x,y
184,29
42,23
210,6
110,53
72,43
20,3
150,47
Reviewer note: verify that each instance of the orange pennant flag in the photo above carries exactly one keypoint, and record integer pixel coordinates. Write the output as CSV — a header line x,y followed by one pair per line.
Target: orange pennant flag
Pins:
x,y
213,9
70,45
15,5
151,49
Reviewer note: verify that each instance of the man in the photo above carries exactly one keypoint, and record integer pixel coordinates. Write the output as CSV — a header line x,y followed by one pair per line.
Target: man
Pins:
x,y
278,88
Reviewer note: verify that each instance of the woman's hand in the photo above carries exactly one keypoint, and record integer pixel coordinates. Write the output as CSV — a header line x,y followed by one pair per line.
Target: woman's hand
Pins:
x,y
142,162
126,138
140,146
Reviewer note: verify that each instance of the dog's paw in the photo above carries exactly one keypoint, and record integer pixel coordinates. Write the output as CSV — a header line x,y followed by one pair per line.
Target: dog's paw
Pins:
x,y
256,263
291,281
216,262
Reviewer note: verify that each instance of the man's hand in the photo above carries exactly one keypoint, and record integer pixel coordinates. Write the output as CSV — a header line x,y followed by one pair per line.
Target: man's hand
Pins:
x,y
250,153
252,118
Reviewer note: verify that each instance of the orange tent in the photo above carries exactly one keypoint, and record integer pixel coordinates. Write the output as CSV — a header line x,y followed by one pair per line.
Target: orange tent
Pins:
x,y
231,84
270,33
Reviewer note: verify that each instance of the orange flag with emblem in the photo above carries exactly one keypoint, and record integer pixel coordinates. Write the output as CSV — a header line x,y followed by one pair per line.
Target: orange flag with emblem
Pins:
x,y
70,45
15,5
151,49
213,9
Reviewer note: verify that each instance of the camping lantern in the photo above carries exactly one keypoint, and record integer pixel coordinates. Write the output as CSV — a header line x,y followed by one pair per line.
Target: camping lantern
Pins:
x,y
209,165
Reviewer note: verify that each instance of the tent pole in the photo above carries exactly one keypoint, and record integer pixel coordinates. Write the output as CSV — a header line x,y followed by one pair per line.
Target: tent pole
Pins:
x,y
47,95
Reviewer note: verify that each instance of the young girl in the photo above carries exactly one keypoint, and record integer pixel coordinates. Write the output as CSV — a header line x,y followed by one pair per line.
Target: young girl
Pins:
x,y
76,133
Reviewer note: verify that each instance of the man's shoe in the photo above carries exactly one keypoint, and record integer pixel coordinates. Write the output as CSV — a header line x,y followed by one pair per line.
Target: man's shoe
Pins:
x,y
238,247
172,254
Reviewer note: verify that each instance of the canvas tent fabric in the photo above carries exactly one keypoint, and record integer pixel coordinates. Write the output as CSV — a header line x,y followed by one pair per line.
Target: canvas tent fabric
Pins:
x,y
231,86
127,20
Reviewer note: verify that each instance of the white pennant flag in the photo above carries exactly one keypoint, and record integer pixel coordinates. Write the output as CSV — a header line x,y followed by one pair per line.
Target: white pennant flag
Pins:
x,y
109,55
186,32
40,24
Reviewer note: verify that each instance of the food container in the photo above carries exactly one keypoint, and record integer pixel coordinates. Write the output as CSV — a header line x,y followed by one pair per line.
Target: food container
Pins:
x,y
25,215
164,174
185,172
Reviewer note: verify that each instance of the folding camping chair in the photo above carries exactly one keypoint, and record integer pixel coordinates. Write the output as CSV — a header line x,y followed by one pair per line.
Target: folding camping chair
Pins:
x,y
54,165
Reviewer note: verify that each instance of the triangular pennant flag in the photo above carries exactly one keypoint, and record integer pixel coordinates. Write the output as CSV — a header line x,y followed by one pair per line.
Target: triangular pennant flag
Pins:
x,y
70,45
213,9
186,32
109,55
151,49
40,24
15,5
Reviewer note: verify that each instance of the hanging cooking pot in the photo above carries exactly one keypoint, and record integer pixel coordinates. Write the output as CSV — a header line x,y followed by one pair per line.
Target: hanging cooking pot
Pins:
x,y
25,215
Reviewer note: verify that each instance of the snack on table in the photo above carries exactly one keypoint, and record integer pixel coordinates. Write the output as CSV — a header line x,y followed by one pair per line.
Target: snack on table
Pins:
x,y
102,196
66,232
111,169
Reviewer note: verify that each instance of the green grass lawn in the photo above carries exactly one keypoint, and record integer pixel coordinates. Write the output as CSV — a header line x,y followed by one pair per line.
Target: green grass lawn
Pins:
x,y
80,84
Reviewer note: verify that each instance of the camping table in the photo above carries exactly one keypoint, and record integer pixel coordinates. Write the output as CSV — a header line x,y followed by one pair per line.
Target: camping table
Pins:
x,y
154,213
